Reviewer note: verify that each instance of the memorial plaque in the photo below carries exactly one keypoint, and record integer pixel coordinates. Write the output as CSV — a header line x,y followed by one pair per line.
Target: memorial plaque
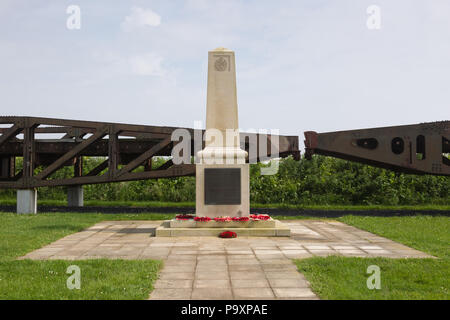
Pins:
x,y
222,186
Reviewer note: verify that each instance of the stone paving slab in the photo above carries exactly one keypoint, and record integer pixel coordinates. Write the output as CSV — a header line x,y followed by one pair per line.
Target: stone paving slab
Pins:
x,y
244,268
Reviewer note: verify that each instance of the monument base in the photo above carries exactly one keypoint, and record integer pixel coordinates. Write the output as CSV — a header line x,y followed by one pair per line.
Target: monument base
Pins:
x,y
216,197
176,228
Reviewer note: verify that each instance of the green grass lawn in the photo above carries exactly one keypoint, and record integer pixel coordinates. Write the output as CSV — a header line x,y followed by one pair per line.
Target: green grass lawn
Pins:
x,y
345,278
154,204
100,279
425,233
331,278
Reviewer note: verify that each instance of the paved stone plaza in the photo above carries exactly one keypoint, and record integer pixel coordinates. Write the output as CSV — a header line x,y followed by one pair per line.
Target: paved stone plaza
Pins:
x,y
214,268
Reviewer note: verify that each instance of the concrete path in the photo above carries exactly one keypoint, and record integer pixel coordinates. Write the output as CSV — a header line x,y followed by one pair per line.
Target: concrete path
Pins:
x,y
214,268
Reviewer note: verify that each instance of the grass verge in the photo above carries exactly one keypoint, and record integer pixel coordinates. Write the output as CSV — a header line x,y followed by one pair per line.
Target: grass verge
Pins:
x,y
340,278
345,278
425,233
100,278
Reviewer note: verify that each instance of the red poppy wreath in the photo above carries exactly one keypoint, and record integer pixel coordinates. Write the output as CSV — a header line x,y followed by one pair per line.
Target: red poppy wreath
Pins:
x,y
184,217
202,219
228,234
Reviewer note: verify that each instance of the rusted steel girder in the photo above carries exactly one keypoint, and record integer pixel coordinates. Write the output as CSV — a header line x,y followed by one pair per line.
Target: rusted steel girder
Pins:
x,y
126,147
419,149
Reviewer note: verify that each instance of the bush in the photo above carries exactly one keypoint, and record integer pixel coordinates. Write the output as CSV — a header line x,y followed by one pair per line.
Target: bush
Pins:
x,y
320,181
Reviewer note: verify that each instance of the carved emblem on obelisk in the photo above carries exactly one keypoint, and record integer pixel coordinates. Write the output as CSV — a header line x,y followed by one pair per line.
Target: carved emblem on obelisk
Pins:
x,y
220,64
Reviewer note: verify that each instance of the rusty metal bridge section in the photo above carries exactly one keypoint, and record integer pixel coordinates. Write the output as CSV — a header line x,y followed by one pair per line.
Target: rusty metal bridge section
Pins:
x,y
125,148
418,149
47,145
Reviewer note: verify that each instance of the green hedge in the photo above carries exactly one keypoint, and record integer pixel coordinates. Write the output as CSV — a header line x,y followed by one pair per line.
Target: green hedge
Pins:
x,y
320,181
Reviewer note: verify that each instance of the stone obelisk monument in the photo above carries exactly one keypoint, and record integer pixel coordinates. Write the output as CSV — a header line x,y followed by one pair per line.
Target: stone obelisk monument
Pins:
x,y
222,176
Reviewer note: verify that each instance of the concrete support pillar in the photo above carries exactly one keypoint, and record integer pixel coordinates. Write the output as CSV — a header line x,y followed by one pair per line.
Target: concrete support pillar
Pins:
x,y
27,201
75,196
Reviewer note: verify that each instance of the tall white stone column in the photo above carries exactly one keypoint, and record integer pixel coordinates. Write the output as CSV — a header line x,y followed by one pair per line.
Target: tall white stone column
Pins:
x,y
222,176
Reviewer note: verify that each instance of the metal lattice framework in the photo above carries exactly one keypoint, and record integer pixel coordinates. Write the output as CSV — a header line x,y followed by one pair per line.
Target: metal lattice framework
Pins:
x,y
126,147
418,149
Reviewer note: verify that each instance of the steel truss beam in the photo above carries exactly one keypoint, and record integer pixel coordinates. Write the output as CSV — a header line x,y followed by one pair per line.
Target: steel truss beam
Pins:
x,y
125,146
419,149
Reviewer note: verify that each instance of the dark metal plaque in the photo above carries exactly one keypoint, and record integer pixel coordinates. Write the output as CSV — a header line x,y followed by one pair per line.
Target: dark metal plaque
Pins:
x,y
222,186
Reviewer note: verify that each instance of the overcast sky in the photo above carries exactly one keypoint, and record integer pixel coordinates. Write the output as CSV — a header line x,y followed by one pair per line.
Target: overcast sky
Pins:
x,y
301,65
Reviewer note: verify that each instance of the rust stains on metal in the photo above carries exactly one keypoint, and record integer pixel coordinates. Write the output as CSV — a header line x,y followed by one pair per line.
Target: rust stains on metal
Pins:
x,y
419,149
125,147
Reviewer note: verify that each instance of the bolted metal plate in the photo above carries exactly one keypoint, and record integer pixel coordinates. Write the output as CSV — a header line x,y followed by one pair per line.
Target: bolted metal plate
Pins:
x,y
222,186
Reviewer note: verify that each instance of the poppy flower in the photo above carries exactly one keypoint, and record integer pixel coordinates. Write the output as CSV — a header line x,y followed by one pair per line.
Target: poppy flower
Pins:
x,y
241,219
222,219
259,217
184,217
202,219
228,234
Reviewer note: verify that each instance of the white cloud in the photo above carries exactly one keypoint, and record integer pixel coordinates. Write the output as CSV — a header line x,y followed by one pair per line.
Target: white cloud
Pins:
x,y
147,65
140,18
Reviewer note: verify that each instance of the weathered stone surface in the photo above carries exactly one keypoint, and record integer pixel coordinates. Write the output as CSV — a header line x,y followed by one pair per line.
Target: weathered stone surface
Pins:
x,y
222,145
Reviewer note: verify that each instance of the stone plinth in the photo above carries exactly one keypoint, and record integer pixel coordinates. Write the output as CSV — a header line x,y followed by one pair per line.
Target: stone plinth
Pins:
x,y
279,230
174,223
